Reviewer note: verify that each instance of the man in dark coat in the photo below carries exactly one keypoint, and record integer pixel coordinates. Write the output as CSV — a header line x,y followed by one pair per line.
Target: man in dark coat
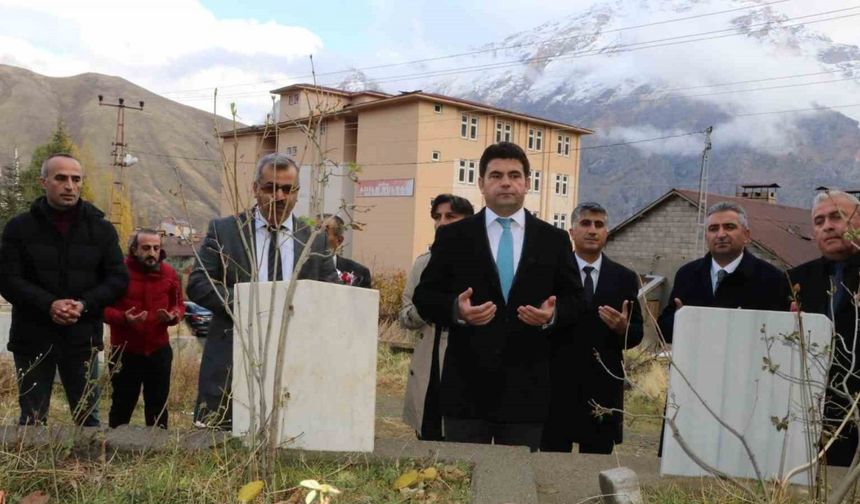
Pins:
x,y
60,265
587,360
348,271
500,280
837,271
239,249
728,276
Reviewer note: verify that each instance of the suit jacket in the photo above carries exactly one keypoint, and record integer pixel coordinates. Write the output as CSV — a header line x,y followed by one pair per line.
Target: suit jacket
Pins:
x,y
500,371
578,377
813,278
224,258
361,272
754,285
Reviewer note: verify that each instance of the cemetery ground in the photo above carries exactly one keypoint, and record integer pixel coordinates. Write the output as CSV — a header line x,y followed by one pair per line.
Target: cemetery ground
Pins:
x,y
214,472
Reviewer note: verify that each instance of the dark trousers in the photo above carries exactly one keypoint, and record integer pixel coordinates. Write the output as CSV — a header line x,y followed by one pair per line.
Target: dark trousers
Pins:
x,y
78,374
130,372
431,423
214,399
470,430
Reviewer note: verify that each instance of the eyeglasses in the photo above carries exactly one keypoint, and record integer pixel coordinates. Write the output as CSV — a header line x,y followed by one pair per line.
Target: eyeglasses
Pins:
x,y
273,188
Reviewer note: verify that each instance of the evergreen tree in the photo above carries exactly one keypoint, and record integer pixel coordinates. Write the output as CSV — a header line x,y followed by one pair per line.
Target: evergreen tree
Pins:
x,y
60,143
11,193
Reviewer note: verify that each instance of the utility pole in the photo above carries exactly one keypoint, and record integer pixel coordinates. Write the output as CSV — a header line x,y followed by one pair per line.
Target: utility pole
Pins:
x,y
703,193
121,159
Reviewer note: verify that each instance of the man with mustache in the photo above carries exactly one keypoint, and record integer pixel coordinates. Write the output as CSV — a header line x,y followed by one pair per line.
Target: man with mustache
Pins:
x,y
729,276
587,359
141,355
260,244
829,285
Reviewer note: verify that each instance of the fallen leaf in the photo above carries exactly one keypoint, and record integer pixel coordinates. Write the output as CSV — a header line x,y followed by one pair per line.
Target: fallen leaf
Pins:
x,y
37,497
428,474
250,491
406,479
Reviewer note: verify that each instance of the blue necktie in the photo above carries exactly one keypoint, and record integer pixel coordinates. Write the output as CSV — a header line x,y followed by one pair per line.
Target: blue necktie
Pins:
x,y
505,256
839,294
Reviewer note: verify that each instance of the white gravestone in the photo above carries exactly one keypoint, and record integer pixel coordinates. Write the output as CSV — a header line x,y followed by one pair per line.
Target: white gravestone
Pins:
x,y
329,368
722,352
5,325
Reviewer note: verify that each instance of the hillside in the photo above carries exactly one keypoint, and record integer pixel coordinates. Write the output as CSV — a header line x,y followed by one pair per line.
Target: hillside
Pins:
x,y
174,142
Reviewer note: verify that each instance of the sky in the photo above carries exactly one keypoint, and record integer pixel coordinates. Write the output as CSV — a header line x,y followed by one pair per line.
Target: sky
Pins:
x,y
184,49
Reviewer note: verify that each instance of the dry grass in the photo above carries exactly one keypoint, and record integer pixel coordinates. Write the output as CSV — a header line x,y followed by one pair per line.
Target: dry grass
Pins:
x,y
390,285
645,399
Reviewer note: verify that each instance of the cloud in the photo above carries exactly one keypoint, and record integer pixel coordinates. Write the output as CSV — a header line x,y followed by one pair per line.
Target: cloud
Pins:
x,y
164,45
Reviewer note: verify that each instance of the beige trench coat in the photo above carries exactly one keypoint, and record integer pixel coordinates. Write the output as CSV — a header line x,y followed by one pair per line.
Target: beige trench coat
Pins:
x,y
419,368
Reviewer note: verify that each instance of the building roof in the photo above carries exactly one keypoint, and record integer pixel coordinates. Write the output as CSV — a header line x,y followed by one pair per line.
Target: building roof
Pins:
x,y
472,105
329,90
784,231
175,246
387,100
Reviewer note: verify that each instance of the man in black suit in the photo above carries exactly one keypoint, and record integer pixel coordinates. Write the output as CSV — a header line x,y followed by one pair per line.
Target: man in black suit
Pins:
x,y
587,360
350,272
499,280
728,276
827,285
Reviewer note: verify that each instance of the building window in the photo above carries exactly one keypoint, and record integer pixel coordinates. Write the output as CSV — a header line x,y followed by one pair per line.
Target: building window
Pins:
x,y
322,129
535,142
561,184
293,99
469,126
504,131
563,145
466,171
535,181
437,107
559,220
292,151
436,156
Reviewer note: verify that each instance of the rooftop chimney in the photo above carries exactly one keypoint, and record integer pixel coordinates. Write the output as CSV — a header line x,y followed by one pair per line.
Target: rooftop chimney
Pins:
x,y
763,192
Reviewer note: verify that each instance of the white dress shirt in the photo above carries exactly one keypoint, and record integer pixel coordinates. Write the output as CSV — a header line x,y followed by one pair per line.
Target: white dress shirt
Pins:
x,y
595,274
730,268
518,230
285,243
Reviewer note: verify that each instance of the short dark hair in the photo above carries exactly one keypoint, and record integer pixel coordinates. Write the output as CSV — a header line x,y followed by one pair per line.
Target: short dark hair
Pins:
x,y
458,204
503,150
588,206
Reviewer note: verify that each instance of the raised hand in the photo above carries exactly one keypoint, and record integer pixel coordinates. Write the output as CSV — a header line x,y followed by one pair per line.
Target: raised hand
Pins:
x,y
537,316
133,318
617,321
478,315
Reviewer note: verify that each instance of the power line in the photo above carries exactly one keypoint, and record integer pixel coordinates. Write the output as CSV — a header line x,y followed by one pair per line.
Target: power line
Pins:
x,y
485,50
541,153
635,46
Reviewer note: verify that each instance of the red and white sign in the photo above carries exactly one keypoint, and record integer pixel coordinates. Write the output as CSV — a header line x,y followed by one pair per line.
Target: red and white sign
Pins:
x,y
386,188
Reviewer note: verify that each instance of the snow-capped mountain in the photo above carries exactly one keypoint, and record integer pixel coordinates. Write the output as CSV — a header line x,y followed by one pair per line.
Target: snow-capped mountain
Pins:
x,y
637,70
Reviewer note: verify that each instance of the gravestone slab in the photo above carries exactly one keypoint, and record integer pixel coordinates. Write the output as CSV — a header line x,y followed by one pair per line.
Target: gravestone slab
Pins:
x,y
329,370
5,325
728,356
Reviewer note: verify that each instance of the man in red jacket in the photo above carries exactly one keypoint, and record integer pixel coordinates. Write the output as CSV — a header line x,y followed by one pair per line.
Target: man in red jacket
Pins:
x,y
141,353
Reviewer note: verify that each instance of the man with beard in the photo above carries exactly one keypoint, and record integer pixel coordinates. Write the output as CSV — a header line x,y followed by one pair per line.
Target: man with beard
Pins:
x,y
140,348
239,249
828,285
